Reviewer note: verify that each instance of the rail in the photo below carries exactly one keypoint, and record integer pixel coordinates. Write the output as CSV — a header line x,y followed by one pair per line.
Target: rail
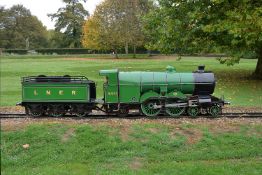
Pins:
x,y
132,116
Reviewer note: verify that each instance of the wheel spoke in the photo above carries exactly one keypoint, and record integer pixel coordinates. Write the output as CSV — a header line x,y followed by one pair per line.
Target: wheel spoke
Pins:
x,y
174,111
148,108
215,110
193,111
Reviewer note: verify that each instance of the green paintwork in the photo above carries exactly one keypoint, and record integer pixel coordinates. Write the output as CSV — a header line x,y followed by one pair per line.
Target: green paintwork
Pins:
x,y
176,94
111,87
46,92
129,87
148,95
132,85
170,69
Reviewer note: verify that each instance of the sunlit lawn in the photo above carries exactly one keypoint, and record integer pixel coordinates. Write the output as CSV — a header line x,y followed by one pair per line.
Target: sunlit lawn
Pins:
x,y
232,82
132,148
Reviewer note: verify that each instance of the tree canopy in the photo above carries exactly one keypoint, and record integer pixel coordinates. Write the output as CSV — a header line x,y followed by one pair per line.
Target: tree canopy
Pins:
x,y
115,24
69,20
224,26
20,29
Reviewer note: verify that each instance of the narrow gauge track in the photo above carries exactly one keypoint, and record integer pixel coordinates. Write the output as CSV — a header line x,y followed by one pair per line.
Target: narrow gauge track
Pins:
x,y
130,116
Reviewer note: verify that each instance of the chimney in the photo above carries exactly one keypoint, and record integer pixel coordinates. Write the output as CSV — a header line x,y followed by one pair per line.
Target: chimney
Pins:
x,y
201,69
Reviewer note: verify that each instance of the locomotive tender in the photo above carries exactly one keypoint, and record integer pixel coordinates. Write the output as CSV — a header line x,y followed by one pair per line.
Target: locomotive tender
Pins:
x,y
152,93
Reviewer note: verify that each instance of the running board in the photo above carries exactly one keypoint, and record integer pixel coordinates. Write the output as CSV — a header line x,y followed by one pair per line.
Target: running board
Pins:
x,y
170,105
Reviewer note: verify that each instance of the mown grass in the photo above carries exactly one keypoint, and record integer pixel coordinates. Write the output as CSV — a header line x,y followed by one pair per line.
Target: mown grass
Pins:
x,y
131,149
232,82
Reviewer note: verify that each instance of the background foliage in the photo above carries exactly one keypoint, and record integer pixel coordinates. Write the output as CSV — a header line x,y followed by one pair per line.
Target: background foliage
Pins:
x,y
20,29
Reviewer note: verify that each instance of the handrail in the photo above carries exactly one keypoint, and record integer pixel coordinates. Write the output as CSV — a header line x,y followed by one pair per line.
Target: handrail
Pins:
x,y
53,79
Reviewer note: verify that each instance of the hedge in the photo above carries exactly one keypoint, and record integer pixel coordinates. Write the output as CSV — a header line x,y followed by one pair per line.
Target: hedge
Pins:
x,y
64,51
15,51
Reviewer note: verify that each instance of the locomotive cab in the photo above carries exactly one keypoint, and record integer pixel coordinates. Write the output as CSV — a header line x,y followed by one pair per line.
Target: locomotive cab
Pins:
x,y
111,85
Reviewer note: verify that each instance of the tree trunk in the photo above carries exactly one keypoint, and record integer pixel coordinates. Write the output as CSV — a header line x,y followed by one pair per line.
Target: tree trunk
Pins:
x,y
258,71
115,53
134,55
126,48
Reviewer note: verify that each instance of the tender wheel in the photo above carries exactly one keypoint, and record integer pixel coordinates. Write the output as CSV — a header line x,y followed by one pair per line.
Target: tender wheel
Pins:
x,y
57,114
80,110
192,111
36,114
57,111
215,110
35,110
148,108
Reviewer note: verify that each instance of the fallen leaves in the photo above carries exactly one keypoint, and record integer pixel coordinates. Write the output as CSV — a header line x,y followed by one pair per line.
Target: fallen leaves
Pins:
x,y
26,146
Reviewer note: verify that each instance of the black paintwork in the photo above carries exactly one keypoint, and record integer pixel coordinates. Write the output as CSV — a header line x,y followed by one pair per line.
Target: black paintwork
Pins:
x,y
204,83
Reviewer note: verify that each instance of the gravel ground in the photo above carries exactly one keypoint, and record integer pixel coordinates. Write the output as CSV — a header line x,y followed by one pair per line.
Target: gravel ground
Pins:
x,y
223,123
216,124
19,109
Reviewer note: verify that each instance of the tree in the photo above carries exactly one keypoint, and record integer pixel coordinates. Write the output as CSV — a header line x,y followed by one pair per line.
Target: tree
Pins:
x,y
133,11
103,28
116,24
56,39
232,27
20,29
91,37
70,20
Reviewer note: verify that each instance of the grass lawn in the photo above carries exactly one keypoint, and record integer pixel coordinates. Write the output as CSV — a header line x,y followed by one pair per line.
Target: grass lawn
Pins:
x,y
232,82
121,146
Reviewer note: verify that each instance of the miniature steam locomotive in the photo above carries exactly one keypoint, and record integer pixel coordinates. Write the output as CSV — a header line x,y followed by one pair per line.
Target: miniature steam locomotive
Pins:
x,y
151,93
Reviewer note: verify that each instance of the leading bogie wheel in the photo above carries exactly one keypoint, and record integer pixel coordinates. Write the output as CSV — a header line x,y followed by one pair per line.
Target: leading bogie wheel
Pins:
x,y
149,108
193,111
214,110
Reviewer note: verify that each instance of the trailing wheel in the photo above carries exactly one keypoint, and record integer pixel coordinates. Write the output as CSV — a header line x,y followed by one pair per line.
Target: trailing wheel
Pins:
x,y
214,110
148,108
123,112
192,111
80,110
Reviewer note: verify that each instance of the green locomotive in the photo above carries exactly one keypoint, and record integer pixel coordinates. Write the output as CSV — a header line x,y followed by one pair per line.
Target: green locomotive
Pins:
x,y
152,93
